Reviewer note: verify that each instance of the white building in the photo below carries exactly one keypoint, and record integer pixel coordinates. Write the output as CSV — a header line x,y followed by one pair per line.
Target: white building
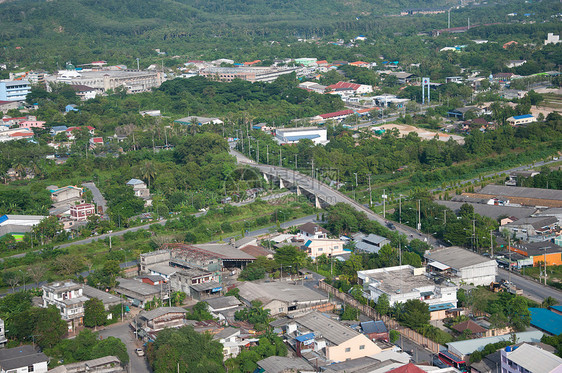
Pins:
x,y
403,283
518,120
68,298
552,39
23,359
529,359
3,339
319,136
14,90
462,266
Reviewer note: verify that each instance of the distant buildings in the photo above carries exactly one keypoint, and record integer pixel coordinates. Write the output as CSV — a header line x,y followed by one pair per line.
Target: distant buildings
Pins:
x,y
552,39
463,349
358,89
403,283
18,225
519,120
141,190
521,195
251,74
105,79
14,90
371,243
287,136
193,120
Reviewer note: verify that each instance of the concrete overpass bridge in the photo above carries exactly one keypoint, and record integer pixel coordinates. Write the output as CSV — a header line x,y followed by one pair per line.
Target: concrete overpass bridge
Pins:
x,y
319,193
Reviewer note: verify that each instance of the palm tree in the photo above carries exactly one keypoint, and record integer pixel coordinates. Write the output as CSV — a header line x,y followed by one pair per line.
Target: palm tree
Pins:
x,y
20,169
148,171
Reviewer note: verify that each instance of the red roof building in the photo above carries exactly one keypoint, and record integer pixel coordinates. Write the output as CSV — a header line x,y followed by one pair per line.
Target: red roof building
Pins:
x,y
345,85
337,115
408,368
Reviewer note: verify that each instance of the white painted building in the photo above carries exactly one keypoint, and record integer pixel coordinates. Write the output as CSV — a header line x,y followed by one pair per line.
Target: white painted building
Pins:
x,y
529,359
68,298
403,283
293,135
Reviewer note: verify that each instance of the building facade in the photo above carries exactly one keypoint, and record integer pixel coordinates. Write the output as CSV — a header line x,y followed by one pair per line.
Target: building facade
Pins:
x,y
82,211
68,298
14,90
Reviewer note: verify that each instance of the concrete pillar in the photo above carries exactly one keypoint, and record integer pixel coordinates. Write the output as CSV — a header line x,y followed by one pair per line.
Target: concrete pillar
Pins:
x,y
281,184
317,202
299,192
265,177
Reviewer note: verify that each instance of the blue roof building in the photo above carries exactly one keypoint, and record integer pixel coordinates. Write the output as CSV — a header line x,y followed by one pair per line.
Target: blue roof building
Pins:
x,y
547,321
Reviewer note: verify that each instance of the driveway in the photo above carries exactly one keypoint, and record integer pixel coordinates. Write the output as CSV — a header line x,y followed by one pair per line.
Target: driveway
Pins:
x,y
98,198
125,334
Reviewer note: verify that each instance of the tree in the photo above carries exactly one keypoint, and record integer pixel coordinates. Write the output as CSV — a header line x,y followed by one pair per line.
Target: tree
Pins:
x,y
184,350
200,312
290,256
350,313
383,305
548,302
94,313
49,328
148,171
416,314
518,313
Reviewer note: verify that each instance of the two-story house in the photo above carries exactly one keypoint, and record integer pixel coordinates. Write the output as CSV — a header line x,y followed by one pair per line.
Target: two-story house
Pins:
x,y
68,298
23,359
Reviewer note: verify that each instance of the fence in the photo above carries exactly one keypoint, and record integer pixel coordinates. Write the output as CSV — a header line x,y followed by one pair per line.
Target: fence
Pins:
x,y
389,322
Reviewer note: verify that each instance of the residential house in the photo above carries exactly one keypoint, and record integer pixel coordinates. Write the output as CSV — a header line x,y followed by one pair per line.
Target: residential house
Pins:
x,y
222,307
532,227
313,87
529,359
68,297
231,342
95,142
519,120
141,190
159,319
29,124
85,92
473,328
281,364
462,266
283,297
109,300
196,283
403,283
138,292
15,134
375,330
371,243
460,113
64,194
321,334
312,230
23,359
106,364
552,39
55,130
82,211
3,339
198,121
329,247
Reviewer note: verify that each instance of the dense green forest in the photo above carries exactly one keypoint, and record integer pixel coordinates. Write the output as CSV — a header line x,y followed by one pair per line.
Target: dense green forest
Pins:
x,y
47,34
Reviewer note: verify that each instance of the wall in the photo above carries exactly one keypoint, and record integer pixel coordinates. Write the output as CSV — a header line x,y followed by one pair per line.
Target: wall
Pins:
x,y
389,322
551,259
339,353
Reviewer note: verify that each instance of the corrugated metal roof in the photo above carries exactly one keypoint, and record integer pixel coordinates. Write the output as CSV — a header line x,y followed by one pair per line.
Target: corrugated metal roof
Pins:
x,y
546,320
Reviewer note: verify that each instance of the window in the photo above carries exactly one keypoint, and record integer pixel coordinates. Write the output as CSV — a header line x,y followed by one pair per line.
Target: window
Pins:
x,y
30,368
281,309
362,347
347,349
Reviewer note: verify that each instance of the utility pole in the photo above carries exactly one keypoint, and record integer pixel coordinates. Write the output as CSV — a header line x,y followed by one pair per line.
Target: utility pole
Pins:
x,y
296,160
444,217
419,215
384,203
509,248
449,19
280,164
491,245
267,155
258,150
400,208
370,193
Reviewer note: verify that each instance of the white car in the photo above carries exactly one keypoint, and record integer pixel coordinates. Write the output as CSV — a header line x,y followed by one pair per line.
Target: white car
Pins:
x,y
139,352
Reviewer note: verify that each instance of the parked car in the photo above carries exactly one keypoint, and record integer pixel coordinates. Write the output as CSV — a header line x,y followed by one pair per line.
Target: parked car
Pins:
x,y
139,352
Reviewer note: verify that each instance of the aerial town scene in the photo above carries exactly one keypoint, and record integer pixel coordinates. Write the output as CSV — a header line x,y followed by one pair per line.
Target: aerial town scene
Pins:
x,y
275,186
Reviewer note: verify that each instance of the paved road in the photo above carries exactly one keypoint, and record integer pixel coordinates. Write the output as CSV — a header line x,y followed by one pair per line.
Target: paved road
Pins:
x,y
99,200
327,194
125,334
531,288
498,173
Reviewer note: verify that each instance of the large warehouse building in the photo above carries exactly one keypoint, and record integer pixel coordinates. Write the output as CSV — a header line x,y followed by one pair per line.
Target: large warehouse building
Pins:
x,y
462,266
